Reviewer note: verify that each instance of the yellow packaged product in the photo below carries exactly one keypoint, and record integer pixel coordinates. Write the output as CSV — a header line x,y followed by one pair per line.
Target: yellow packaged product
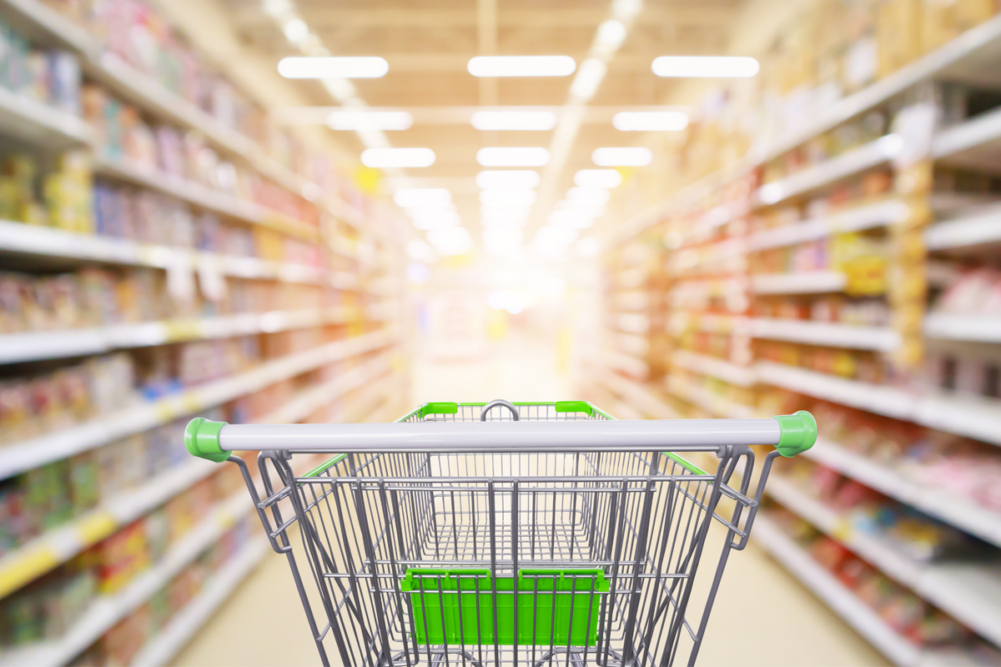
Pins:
x,y
899,34
945,20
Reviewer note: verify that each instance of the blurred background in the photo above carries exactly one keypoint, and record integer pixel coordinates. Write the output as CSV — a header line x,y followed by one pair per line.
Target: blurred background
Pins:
x,y
302,211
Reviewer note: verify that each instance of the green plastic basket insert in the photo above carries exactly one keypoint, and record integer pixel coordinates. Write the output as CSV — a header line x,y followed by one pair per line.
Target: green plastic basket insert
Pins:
x,y
449,603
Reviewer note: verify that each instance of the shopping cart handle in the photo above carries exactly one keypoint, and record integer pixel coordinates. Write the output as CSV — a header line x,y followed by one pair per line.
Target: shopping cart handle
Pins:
x,y
799,433
790,434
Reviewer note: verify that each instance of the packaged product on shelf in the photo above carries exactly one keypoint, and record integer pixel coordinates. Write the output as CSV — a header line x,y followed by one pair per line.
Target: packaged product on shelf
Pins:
x,y
944,20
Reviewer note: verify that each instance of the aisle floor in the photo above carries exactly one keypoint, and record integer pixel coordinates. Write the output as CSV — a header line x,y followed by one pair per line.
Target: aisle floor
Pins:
x,y
762,615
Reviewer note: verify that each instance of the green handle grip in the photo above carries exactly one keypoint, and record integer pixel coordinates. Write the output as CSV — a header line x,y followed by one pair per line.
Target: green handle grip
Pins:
x,y
799,432
201,437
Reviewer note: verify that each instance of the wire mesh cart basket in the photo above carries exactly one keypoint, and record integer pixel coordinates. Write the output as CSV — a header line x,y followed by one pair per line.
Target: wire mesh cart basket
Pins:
x,y
507,534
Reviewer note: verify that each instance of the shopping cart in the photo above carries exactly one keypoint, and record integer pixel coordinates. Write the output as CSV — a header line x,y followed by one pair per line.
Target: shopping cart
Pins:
x,y
506,534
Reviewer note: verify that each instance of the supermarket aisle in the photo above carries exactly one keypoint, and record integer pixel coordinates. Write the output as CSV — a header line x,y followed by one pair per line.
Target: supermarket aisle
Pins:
x,y
762,615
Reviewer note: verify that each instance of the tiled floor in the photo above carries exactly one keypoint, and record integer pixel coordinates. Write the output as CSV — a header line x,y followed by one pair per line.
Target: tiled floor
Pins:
x,y
762,616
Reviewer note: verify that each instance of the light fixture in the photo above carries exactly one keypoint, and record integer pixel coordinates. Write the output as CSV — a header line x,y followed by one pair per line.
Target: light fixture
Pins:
x,y
632,156
650,121
596,196
521,197
494,66
369,120
450,240
514,120
709,67
597,178
507,179
506,212
411,197
569,219
549,235
581,208
502,156
331,67
399,158
425,211
588,247
295,31
586,83
610,34
450,219
491,222
503,235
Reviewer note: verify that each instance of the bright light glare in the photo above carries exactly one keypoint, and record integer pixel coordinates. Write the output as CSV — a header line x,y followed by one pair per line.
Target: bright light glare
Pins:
x,y
633,156
449,219
650,121
419,250
295,31
329,67
412,197
586,83
597,178
610,34
398,158
709,67
507,179
426,211
549,236
505,300
369,120
569,219
502,222
514,120
503,236
522,66
507,197
596,196
582,208
530,156
450,240
588,247
505,212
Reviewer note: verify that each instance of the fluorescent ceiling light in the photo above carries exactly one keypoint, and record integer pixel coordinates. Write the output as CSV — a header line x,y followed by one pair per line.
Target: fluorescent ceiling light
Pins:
x,y
521,66
514,120
506,212
369,120
588,247
597,178
503,235
709,67
425,211
329,67
504,222
581,208
508,197
295,31
569,219
399,158
595,196
489,180
650,121
411,197
530,156
632,156
586,83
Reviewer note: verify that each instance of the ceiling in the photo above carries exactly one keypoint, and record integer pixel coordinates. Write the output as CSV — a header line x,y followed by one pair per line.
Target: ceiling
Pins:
x,y
428,44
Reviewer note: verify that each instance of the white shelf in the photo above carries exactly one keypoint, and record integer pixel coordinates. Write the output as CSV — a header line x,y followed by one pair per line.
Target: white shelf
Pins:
x,y
969,592
36,345
742,376
27,120
976,229
827,334
974,144
707,400
16,237
639,397
17,458
857,161
958,511
187,621
853,220
844,602
815,282
972,416
974,328
106,611
862,395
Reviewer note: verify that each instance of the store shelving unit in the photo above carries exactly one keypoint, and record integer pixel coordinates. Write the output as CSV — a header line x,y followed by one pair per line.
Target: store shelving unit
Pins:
x,y
360,333
715,265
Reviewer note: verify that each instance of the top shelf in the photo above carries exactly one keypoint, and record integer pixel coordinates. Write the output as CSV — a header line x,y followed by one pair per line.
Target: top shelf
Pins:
x,y
47,26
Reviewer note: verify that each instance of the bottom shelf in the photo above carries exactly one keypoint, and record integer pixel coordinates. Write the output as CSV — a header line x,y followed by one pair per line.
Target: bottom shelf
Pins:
x,y
192,617
845,604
